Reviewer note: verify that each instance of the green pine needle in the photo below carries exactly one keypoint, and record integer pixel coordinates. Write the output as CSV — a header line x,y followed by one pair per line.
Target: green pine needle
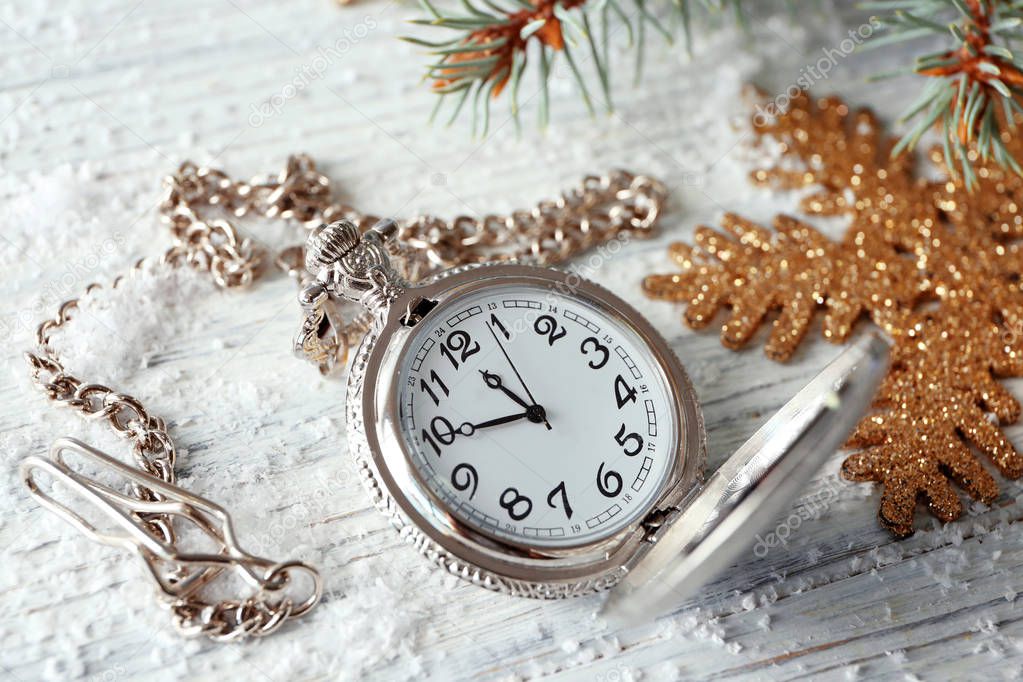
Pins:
x,y
494,37
499,40
968,98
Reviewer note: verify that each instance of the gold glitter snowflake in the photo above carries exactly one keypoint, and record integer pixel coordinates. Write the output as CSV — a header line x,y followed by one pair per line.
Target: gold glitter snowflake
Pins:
x,y
932,264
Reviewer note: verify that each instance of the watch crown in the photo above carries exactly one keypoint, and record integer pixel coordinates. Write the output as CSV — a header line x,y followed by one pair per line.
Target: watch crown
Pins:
x,y
328,244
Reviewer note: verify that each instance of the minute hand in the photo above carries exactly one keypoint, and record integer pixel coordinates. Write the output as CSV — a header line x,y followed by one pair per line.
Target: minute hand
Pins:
x,y
515,369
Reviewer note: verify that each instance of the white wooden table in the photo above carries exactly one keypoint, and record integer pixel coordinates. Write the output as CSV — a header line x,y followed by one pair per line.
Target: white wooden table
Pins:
x,y
99,99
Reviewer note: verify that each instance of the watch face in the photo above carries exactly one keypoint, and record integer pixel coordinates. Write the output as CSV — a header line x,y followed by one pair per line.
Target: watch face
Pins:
x,y
535,416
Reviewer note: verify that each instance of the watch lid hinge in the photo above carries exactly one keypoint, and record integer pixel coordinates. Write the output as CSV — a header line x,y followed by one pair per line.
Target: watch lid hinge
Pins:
x,y
655,520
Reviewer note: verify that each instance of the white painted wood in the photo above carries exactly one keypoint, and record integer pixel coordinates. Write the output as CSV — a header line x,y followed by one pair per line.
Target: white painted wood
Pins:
x,y
121,91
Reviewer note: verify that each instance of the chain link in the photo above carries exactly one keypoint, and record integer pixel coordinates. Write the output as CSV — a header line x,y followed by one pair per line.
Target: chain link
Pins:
x,y
197,207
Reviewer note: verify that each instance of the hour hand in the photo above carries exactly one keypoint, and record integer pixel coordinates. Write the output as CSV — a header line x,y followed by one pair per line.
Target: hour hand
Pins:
x,y
494,381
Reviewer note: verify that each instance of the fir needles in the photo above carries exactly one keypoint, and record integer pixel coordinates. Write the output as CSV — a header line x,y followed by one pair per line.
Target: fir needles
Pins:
x,y
976,81
969,90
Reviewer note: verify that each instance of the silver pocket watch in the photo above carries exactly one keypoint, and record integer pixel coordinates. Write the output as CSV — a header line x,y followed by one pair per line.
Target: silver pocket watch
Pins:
x,y
524,428
531,433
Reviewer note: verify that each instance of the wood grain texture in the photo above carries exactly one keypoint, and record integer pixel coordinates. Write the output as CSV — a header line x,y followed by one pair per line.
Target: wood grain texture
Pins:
x,y
122,91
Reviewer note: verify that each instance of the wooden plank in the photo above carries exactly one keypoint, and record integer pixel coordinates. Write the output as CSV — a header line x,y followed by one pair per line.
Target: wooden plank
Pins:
x,y
150,84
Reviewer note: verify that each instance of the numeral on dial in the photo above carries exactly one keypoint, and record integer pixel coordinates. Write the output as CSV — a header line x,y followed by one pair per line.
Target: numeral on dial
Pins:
x,y
624,394
460,343
429,441
518,506
425,386
442,430
631,443
609,482
591,345
494,320
468,479
548,326
560,488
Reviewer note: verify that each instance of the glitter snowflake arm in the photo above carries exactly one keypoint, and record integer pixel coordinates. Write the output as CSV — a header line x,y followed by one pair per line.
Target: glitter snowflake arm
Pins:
x,y
794,271
701,285
915,458
931,410
1002,351
753,272
905,476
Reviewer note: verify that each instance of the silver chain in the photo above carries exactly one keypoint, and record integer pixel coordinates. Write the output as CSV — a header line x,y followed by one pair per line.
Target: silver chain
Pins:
x,y
197,207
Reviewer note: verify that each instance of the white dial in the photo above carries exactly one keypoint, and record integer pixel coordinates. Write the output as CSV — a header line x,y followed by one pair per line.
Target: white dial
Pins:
x,y
536,417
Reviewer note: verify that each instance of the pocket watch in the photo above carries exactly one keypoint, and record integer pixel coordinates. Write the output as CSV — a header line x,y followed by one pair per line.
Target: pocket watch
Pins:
x,y
532,433
526,429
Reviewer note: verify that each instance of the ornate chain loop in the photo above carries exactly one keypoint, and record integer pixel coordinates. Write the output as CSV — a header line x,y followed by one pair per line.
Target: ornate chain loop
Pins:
x,y
197,207
598,209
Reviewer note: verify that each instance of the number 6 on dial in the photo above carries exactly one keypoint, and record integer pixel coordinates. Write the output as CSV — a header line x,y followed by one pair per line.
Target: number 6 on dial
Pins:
x,y
609,483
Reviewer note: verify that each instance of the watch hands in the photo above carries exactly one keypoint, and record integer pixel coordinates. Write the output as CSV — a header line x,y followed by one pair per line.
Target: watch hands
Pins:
x,y
494,381
533,413
514,369
501,420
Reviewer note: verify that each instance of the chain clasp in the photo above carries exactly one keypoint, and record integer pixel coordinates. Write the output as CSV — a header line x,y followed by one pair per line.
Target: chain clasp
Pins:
x,y
134,525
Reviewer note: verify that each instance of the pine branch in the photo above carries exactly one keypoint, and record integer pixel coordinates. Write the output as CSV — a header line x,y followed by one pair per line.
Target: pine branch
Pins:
x,y
974,97
495,44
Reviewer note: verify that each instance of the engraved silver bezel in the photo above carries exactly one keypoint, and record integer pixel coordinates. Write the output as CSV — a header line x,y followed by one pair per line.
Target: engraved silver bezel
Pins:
x,y
375,440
